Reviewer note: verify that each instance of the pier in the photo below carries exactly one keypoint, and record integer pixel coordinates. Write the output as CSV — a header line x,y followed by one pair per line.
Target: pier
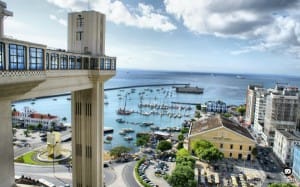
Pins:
x,y
145,85
183,103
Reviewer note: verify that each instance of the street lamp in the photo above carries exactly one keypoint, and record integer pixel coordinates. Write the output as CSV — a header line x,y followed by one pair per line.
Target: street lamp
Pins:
x,y
54,157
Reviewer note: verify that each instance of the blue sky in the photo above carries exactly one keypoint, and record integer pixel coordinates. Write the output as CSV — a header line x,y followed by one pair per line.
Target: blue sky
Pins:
x,y
235,36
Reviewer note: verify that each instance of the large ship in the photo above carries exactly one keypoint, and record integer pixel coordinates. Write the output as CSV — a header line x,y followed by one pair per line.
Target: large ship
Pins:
x,y
189,89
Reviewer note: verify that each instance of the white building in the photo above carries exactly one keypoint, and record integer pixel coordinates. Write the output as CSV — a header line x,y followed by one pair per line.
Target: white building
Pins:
x,y
284,143
281,111
259,113
31,117
250,103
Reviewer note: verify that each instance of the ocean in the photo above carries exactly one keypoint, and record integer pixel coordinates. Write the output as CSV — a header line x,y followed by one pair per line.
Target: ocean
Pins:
x,y
230,88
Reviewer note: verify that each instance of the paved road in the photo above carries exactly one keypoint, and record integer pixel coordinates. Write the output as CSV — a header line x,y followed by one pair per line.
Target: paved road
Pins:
x,y
127,175
62,173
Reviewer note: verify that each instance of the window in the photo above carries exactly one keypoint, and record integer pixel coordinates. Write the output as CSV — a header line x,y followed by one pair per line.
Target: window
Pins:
x,y
241,147
79,35
78,64
250,148
94,63
54,61
36,58
221,145
72,62
17,57
64,62
2,56
230,155
231,146
79,21
102,64
47,61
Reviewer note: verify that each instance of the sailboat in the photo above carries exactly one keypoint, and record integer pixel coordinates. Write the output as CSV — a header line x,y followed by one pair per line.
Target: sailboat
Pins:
x,y
123,111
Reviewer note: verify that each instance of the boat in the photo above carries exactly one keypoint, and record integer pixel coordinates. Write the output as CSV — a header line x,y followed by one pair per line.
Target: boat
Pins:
x,y
122,132
240,77
68,98
106,103
128,130
189,89
128,138
123,111
107,141
108,130
109,137
146,124
120,120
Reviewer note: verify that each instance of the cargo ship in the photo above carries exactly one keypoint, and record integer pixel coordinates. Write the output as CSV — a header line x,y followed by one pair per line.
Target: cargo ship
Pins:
x,y
189,89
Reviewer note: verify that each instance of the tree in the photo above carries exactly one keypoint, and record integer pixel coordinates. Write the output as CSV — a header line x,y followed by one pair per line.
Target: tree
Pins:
x,y
118,151
254,151
182,153
197,114
183,157
184,130
182,176
281,185
180,137
39,126
26,133
164,145
205,150
142,139
179,145
198,107
241,109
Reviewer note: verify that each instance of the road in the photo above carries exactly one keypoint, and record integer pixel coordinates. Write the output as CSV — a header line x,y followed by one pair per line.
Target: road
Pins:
x,y
127,175
62,174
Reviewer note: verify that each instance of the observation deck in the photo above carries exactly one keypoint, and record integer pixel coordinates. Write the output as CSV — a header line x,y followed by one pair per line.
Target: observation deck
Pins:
x,y
26,66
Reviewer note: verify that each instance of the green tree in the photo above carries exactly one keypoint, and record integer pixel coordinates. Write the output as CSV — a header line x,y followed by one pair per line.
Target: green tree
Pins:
x,y
118,151
39,126
142,139
180,137
179,145
184,130
281,185
64,119
183,157
254,151
26,133
164,145
182,153
198,107
182,176
227,115
241,109
205,150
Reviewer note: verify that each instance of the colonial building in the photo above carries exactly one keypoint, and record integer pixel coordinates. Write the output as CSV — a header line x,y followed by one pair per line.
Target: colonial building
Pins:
x,y
284,143
31,117
229,137
216,106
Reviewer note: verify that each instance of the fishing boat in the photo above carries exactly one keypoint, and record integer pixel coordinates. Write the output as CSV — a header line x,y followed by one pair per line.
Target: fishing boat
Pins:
x,y
128,130
123,111
109,137
122,132
128,138
120,120
108,130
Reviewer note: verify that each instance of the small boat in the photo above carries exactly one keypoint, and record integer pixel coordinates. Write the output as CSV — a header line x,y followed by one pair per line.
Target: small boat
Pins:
x,y
122,132
108,130
68,98
106,103
128,138
54,99
128,130
107,142
123,112
108,137
120,120
146,124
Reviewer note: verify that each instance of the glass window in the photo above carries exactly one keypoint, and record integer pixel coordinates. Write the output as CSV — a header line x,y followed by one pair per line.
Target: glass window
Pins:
x,y
64,62
79,21
36,58
47,61
72,62
250,148
79,35
230,155
54,61
94,63
2,56
79,62
108,64
231,146
102,64
17,57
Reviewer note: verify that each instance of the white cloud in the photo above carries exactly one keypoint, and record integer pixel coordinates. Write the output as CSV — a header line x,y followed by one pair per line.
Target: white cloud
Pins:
x,y
270,25
59,20
144,16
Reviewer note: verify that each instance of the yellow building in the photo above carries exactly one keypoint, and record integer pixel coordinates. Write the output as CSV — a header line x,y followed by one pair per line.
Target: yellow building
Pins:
x,y
229,137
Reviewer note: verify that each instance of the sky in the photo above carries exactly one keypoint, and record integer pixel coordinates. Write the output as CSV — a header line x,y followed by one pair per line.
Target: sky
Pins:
x,y
232,36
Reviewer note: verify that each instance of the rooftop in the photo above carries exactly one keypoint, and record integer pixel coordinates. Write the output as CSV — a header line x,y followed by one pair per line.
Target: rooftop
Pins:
x,y
216,122
289,135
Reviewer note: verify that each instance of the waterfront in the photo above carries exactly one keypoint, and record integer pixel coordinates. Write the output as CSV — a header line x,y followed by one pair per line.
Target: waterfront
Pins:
x,y
226,87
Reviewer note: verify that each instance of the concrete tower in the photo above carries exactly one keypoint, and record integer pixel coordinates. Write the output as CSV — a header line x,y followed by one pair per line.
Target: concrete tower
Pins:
x,y
86,32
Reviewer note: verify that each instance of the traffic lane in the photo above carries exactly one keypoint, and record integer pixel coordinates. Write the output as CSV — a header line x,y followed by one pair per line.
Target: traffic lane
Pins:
x,y
127,175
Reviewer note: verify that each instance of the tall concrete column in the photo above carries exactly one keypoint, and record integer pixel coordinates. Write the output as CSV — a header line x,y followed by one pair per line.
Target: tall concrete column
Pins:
x,y
87,136
7,172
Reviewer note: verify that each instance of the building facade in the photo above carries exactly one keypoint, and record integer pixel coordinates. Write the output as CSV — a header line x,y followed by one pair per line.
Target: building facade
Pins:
x,y
281,111
229,137
30,117
284,144
296,162
250,103
259,113
216,106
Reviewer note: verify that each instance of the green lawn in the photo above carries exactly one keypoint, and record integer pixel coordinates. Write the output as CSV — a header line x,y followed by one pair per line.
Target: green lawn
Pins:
x,y
30,158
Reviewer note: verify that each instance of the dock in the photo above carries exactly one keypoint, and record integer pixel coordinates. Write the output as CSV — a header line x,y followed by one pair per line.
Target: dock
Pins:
x,y
145,85
184,103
